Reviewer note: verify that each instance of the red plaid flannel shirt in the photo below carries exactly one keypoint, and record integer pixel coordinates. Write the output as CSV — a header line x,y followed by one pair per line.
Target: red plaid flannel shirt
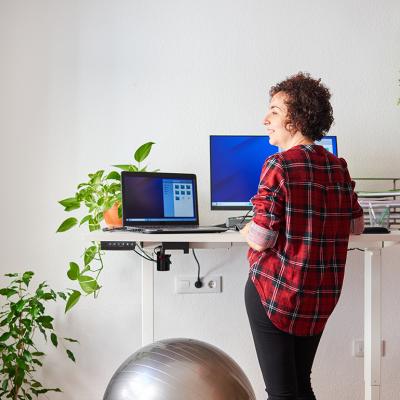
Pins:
x,y
304,207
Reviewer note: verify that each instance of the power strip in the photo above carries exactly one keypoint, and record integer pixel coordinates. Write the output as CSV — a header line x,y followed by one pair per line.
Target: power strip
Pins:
x,y
113,245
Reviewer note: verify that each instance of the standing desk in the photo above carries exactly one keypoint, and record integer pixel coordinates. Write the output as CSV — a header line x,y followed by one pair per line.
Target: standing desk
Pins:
x,y
371,243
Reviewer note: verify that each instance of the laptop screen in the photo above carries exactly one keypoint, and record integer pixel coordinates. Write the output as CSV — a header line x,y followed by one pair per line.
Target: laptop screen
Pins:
x,y
153,198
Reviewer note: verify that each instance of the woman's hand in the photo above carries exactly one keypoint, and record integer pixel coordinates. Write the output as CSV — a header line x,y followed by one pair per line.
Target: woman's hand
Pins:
x,y
244,232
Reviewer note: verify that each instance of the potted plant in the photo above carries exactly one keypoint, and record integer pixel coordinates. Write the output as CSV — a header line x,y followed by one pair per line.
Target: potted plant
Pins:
x,y
101,197
22,316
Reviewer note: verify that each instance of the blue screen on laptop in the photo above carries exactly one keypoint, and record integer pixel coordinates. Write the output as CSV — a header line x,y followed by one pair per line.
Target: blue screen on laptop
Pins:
x,y
149,198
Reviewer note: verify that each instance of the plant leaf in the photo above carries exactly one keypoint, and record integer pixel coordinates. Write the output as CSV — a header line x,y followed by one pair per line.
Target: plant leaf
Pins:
x,y
89,255
5,336
73,271
71,340
143,151
27,276
62,295
88,284
54,339
114,175
71,203
7,292
125,167
67,224
71,355
85,219
45,321
72,300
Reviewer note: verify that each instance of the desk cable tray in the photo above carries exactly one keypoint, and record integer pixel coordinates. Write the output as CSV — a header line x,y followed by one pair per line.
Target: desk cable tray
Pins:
x,y
380,194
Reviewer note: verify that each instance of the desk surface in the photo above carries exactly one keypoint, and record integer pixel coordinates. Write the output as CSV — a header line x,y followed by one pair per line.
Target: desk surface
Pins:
x,y
224,237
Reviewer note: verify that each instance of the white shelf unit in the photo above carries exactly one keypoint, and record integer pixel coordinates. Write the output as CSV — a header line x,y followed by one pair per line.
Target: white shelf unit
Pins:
x,y
373,194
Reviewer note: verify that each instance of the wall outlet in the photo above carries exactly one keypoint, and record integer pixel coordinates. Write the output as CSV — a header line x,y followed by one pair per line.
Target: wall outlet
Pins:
x,y
358,348
186,284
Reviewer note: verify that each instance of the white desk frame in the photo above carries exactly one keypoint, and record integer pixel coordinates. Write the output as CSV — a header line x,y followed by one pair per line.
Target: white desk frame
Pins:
x,y
372,244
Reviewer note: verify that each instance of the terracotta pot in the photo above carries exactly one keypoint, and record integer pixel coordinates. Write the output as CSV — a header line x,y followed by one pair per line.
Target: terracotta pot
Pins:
x,y
111,217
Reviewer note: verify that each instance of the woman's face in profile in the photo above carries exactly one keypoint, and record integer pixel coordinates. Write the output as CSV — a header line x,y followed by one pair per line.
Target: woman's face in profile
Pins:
x,y
275,121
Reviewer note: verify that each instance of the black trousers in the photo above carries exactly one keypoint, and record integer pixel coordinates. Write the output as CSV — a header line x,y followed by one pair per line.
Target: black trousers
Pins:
x,y
285,360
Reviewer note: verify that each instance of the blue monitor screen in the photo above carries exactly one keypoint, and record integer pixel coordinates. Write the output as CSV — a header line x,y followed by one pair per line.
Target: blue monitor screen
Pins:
x,y
235,167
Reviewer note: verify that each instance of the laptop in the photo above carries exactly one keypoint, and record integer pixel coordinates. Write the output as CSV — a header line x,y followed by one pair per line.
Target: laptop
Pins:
x,y
155,202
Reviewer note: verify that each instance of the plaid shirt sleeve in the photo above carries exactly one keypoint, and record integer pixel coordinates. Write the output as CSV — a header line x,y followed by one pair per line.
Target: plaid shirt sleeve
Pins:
x,y
357,216
268,204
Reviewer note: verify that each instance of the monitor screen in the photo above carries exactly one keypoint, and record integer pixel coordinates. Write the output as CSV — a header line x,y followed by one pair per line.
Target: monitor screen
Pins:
x,y
235,167
158,198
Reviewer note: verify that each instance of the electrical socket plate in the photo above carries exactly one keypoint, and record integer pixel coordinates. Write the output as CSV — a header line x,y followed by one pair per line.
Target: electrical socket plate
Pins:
x,y
358,348
211,284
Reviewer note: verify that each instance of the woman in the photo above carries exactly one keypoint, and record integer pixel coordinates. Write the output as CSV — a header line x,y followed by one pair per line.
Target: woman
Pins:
x,y
304,212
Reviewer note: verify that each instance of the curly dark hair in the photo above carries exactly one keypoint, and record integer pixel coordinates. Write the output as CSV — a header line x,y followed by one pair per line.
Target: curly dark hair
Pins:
x,y
309,108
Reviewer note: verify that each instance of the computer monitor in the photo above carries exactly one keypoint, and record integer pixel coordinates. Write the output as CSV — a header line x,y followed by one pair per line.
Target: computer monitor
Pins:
x,y
235,167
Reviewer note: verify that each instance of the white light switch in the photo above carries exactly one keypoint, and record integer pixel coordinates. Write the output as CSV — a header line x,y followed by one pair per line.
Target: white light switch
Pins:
x,y
186,284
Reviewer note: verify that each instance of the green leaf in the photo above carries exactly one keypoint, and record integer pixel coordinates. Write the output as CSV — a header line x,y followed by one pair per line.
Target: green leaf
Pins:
x,y
5,384
19,305
45,321
67,224
70,204
114,175
94,227
27,276
8,292
72,300
88,284
48,296
85,219
73,271
143,151
27,356
21,363
38,354
89,255
126,167
5,336
71,355
71,340
62,295
54,339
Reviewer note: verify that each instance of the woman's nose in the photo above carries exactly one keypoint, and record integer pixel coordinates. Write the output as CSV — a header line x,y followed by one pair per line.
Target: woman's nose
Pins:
x,y
265,120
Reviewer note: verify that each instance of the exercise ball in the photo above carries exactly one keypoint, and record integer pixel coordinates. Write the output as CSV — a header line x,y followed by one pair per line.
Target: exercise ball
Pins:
x,y
179,369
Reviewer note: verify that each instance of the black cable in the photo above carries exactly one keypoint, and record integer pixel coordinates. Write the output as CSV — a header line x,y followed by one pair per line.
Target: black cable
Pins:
x,y
239,226
244,216
198,284
143,254
355,248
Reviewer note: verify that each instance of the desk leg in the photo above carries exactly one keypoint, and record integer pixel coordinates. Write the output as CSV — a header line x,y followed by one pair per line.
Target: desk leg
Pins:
x,y
147,302
372,324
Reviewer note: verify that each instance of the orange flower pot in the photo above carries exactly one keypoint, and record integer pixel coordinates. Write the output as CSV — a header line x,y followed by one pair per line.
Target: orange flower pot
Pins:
x,y
111,217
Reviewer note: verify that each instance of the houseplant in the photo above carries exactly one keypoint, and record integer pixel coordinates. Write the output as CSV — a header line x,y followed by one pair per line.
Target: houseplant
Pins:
x,y
99,195
22,316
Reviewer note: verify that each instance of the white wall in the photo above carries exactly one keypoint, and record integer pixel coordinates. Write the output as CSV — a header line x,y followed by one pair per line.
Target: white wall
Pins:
x,y
83,83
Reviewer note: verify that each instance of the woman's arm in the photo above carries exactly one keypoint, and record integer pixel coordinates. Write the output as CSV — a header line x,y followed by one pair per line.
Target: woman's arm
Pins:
x,y
257,237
